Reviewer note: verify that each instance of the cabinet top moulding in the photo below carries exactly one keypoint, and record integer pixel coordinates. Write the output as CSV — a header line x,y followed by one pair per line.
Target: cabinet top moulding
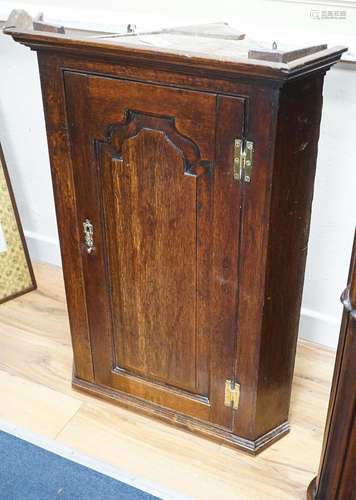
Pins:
x,y
215,48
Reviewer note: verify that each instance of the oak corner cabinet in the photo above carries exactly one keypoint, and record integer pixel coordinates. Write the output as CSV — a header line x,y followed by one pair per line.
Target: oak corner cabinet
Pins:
x,y
183,166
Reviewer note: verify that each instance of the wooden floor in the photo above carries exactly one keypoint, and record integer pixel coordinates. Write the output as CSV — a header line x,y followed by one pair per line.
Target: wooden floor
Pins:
x,y
36,394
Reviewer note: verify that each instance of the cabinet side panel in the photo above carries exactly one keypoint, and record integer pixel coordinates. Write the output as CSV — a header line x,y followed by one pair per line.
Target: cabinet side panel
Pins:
x,y
292,192
63,187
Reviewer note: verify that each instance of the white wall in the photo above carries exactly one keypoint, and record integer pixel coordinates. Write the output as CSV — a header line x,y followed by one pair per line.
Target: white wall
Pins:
x,y
334,209
23,137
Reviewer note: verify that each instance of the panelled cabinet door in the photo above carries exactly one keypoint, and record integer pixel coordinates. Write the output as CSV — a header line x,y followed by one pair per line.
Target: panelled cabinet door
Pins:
x,y
160,211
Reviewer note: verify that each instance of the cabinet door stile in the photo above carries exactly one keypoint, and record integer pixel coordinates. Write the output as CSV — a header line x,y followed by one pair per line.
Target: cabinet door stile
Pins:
x,y
225,248
88,209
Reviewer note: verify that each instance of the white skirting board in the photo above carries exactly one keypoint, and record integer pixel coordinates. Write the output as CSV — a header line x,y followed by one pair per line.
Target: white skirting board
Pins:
x,y
43,249
319,328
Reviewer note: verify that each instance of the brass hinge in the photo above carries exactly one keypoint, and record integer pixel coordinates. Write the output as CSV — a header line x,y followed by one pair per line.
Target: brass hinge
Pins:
x,y
232,394
243,161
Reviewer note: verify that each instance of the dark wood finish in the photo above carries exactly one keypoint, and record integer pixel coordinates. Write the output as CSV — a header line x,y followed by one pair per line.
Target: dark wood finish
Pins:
x,y
154,210
33,285
294,165
195,278
336,478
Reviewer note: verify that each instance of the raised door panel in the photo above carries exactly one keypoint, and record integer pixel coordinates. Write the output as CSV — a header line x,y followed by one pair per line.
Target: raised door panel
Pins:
x,y
154,215
149,202
162,269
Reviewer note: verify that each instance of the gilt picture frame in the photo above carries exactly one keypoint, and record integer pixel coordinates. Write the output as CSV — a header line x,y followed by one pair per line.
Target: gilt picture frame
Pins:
x,y
16,273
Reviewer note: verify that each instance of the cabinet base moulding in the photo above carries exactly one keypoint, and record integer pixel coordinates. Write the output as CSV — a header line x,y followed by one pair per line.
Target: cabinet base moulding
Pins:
x,y
179,420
